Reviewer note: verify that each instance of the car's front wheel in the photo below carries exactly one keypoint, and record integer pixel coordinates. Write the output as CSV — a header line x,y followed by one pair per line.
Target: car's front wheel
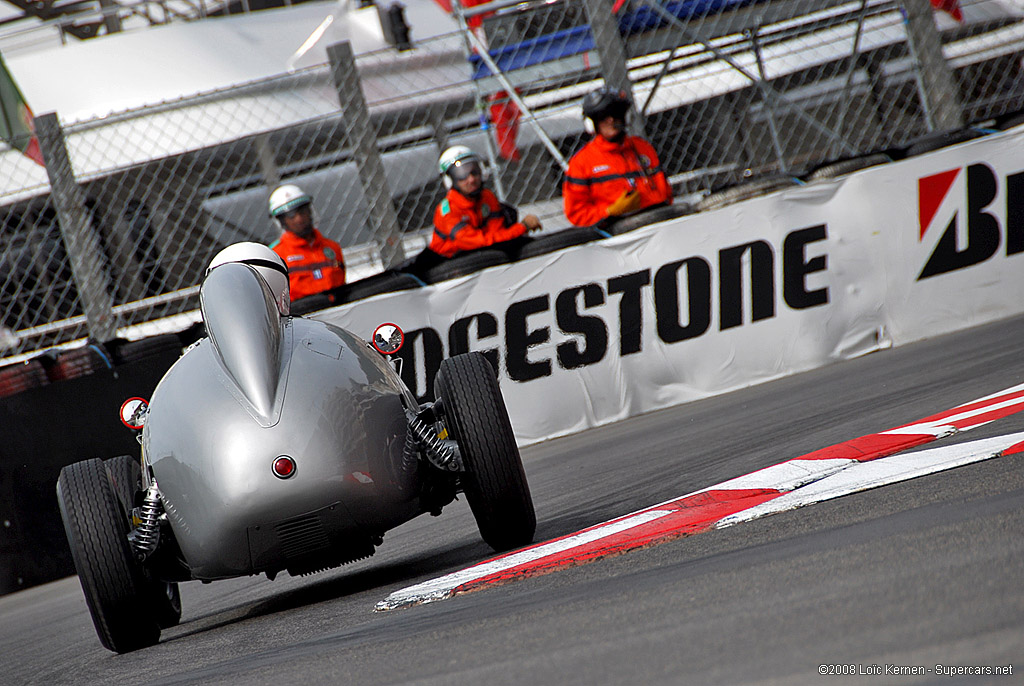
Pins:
x,y
494,481
165,597
97,532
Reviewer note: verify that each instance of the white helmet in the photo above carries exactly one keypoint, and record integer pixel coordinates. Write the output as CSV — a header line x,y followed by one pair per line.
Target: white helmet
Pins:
x,y
287,198
453,157
267,264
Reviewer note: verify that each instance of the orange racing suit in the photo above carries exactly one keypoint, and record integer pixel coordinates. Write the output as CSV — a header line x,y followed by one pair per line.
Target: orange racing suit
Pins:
x,y
603,170
462,223
314,265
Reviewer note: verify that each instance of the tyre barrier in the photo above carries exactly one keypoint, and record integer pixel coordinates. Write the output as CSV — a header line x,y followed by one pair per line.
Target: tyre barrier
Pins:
x,y
940,139
834,170
75,363
312,303
71,364
746,190
20,377
1009,121
649,216
124,351
465,263
192,334
389,281
577,235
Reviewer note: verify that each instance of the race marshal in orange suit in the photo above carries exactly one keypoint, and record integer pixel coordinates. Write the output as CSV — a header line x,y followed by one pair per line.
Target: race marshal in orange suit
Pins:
x,y
614,173
315,263
471,216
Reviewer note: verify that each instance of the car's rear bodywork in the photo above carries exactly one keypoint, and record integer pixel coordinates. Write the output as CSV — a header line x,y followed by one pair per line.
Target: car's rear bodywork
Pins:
x,y
279,443
262,386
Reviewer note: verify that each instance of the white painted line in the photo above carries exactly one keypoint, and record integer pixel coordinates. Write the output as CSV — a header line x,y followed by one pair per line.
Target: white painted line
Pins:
x,y
867,475
442,587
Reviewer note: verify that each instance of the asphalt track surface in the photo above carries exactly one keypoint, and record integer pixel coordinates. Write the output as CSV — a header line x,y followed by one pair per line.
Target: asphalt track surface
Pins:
x,y
917,574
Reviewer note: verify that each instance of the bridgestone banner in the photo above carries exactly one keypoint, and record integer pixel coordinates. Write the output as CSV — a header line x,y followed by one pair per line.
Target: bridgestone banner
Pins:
x,y
725,299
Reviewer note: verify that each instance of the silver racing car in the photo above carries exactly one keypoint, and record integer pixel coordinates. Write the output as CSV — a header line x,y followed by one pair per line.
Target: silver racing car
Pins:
x,y
279,443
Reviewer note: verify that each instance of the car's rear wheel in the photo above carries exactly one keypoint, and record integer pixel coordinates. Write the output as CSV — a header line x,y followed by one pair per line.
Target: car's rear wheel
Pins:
x,y
97,532
494,481
165,596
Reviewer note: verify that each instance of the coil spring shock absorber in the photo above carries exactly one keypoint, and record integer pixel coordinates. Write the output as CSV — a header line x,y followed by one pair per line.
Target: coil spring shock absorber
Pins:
x,y
441,454
410,452
146,536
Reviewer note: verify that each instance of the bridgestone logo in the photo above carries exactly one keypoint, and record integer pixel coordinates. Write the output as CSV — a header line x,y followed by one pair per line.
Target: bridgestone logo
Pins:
x,y
938,204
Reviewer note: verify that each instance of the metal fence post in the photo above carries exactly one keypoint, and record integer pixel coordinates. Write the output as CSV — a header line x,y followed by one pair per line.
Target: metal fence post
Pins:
x,y
769,103
939,93
80,240
356,115
612,53
435,119
111,17
268,163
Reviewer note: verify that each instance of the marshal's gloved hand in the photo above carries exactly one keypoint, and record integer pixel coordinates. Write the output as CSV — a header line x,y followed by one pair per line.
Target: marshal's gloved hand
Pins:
x,y
531,222
627,202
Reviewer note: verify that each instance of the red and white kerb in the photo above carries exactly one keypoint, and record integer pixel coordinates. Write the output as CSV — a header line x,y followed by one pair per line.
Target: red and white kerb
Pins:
x,y
824,474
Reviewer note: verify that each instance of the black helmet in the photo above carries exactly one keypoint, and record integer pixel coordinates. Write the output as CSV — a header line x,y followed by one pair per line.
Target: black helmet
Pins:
x,y
605,102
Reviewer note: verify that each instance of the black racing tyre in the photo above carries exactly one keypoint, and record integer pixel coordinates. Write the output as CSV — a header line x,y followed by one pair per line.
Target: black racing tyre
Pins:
x,y
72,364
940,139
834,170
1010,120
388,281
465,263
651,215
144,348
385,282
126,476
494,481
21,377
312,303
744,191
164,596
542,245
97,532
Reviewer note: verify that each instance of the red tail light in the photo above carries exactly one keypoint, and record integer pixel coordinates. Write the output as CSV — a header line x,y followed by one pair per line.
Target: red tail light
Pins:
x,y
284,467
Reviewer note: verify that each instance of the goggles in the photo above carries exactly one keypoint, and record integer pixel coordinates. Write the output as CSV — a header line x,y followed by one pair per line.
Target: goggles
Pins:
x,y
296,210
463,169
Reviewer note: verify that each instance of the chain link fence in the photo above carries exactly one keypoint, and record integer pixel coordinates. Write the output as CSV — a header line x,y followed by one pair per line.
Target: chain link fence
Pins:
x,y
116,231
